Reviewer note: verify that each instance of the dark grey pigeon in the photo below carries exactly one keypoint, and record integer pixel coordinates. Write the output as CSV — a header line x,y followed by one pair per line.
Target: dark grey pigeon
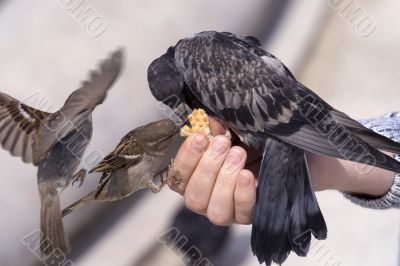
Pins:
x,y
235,80
55,143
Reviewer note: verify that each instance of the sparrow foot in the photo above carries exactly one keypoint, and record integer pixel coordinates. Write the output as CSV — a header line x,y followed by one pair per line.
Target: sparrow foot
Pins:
x,y
170,167
79,177
163,178
153,187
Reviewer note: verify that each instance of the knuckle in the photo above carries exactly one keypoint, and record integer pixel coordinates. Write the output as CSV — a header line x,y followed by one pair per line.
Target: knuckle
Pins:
x,y
218,149
227,180
218,218
211,162
182,167
184,161
177,188
244,203
208,167
194,203
240,149
243,219
243,200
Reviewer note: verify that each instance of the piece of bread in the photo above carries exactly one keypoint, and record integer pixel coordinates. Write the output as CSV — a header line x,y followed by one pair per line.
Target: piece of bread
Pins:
x,y
198,123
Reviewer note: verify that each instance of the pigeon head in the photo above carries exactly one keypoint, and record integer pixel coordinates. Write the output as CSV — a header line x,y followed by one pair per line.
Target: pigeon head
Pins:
x,y
165,81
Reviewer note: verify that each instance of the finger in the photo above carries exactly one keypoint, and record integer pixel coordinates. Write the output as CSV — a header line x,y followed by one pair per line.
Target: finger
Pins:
x,y
216,127
186,161
200,186
221,209
245,197
254,167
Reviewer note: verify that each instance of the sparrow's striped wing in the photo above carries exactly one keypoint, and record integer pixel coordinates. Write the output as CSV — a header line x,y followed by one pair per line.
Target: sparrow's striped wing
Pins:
x,y
126,154
19,126
81,102
154,138
258,95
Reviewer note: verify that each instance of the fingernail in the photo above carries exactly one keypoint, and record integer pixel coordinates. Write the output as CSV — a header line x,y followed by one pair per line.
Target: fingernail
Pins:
x,y
199,142
218,147
244,180
233,159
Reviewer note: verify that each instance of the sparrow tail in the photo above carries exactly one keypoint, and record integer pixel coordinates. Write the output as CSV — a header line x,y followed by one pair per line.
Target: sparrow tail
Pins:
x,y
286,212
53,241
79,204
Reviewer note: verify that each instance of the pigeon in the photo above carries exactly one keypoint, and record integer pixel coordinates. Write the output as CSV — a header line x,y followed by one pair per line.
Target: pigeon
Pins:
x,y
133,165
235,80
55,143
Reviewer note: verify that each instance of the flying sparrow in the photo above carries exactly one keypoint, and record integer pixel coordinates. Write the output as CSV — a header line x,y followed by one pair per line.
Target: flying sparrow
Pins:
x,y
133,165
259,99
55,143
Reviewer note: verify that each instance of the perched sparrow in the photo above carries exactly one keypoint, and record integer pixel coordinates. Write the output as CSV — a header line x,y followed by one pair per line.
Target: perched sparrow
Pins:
x,y
133,165
235,80
55,143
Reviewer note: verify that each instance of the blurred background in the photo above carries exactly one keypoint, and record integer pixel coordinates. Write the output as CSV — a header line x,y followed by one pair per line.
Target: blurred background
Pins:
x,y
346,51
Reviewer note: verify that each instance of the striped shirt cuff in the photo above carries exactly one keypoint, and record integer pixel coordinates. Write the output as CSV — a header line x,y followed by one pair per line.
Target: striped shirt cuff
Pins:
x,y
388,126
389,200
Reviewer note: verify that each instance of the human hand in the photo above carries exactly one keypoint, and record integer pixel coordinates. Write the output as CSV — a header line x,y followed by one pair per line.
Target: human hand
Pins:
x,y
227,194
212,178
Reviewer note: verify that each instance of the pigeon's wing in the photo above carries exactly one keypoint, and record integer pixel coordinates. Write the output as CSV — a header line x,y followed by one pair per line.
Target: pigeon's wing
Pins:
x,y
238,81
19,126
374,139
81,102
255,93
126,154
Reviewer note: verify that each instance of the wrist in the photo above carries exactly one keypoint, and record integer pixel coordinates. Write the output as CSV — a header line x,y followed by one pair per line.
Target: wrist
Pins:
x,y
376,183
331,173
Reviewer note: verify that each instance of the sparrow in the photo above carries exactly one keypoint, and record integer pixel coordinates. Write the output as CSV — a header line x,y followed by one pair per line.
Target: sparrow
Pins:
x,y
55,143
235,80
133,165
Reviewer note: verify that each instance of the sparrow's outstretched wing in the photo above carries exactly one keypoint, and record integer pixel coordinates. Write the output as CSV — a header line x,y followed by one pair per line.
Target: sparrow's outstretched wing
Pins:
x,y
19,125
94,90
81,102
126,154
257,94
